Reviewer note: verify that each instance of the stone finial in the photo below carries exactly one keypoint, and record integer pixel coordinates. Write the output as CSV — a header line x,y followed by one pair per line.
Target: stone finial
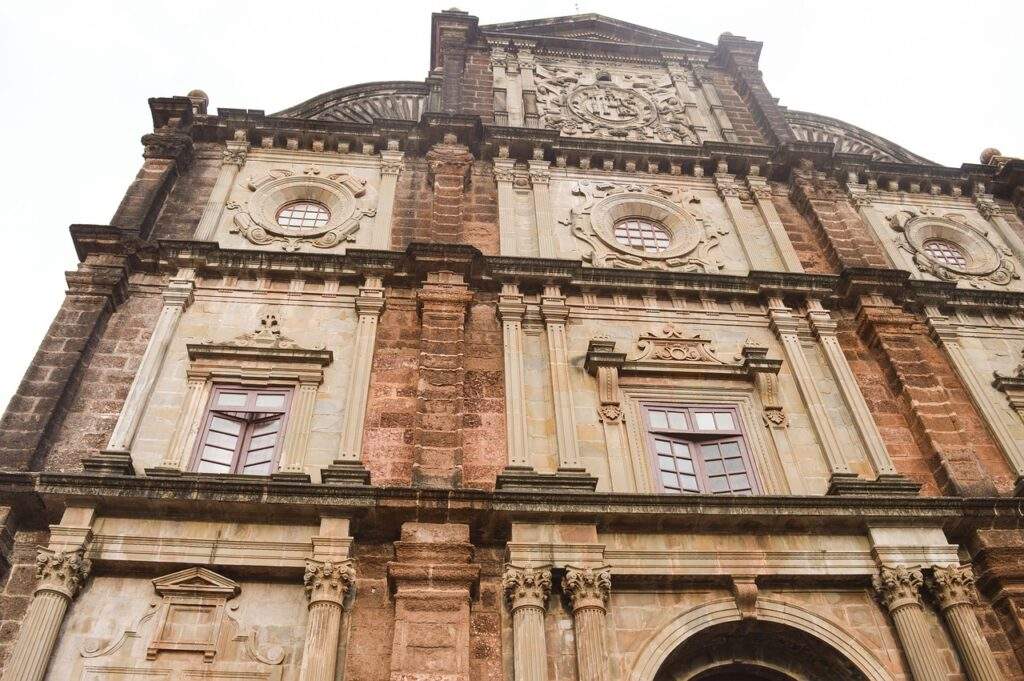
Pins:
x,y
328,580
988,154
200,101
60,571
898,586
526,587
952,585
588,587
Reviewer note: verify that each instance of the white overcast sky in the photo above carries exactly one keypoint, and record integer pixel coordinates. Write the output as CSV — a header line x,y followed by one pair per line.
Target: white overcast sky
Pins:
x,y
943,78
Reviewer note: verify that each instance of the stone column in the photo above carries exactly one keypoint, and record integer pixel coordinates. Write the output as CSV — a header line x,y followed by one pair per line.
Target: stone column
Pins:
x,y
540,179
588,589
899,589
369,306
993,212
326,583
527,590
391,166
60,575
511,310
680,78
235,153
953,588
714,102
762,194
788,331
296,435
117,455
504,175
730,195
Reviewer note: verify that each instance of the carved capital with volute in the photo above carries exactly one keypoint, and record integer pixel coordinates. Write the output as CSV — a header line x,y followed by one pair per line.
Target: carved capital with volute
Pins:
x,y
328,580
587,587
952,585
899,586
61,571
526,587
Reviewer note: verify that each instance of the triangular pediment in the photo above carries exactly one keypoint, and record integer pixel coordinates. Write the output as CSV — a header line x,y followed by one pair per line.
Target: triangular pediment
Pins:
x,y
595,28
196,581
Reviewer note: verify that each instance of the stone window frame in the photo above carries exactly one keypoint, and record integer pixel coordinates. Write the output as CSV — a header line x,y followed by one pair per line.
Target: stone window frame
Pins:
x,y
764,460
695,437
250,366
685,232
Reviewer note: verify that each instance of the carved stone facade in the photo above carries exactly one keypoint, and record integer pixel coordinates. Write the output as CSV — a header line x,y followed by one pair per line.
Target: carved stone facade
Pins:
x,y
580,360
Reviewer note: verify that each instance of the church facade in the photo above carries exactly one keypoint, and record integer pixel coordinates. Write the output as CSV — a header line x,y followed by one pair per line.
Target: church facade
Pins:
x,y
582,359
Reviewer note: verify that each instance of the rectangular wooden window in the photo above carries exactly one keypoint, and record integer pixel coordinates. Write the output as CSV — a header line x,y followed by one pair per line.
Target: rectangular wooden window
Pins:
x,y
242,430
698,449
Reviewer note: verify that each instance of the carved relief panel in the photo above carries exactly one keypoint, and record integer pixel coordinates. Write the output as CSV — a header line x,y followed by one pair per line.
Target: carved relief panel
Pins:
x,y
583,99
643,227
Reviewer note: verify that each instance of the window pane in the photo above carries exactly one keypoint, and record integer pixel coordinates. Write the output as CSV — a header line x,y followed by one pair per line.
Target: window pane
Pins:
x,y
657,419
684,466
676,420
663,447
231,399
262,441
218,455
669,480
221,440
735,465
689,483
724,421
666,463
704,420
714,467
269,401
739,481
266,427
719,485
262,468
223,425
731,448
210,467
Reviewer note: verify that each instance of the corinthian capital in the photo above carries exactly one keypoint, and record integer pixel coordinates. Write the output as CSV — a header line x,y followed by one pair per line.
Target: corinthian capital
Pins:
x,y
898,586
587,587
63,572
328,580
525,587
952,585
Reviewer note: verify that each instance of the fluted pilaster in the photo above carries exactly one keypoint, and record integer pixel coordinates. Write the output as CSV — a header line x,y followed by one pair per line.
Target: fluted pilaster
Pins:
x,y
527,591
588,589
60,575
327,583
953,588
899,589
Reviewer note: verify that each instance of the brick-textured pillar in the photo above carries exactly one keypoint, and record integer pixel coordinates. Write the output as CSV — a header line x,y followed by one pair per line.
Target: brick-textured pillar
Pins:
x,y
432,575
925,383
36,406
899,589
998,560
527,590
449,164
440,389
589,589
327,583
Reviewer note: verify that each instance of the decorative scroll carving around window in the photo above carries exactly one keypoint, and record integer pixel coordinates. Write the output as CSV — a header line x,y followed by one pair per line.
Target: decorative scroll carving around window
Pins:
x,y
192,615
584,101
670,351
601,207
343,201
950,248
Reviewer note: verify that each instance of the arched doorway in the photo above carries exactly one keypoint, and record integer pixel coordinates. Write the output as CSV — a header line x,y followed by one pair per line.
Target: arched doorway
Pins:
x,y
756,651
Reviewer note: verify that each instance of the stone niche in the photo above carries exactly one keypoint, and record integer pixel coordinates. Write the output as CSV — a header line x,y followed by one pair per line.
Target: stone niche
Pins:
x,y
182,626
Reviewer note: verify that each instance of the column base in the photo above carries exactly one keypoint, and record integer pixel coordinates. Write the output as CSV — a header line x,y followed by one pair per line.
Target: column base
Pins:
x,y
290,476
564,480
890,485
347,473
109,462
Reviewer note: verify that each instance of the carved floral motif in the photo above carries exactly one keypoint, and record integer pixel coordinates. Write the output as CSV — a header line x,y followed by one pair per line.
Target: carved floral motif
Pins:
x,y
587,587
524,586
898,586
328,580
60,571
952,585
670,343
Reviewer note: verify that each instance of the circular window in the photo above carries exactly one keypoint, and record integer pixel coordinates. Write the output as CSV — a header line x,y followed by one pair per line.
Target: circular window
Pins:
x,y
303,214
945,252
642,234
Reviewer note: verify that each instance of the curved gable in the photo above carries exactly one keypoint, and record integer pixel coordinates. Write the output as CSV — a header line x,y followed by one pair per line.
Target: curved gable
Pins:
x,y
849,139
364,103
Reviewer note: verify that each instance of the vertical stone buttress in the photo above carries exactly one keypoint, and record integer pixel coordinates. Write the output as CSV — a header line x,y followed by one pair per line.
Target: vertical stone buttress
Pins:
x,y
899,589
588,589
327,582
527,590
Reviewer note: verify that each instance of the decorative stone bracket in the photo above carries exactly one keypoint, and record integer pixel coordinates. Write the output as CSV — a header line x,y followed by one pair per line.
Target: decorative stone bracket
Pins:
x,y
670,351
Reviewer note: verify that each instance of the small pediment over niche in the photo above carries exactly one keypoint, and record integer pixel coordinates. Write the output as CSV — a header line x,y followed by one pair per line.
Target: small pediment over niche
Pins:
x,y
196,582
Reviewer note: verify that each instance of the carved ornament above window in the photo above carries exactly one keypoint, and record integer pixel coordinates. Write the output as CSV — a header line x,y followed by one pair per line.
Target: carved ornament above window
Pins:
x,y
950,248
341,199
603,208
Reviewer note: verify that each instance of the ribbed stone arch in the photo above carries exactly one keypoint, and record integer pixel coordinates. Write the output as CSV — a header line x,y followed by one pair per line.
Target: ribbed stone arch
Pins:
x,y
723,611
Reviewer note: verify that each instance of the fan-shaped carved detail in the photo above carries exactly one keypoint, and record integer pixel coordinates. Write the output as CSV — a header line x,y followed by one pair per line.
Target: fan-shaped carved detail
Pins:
x,y
364,103
848,139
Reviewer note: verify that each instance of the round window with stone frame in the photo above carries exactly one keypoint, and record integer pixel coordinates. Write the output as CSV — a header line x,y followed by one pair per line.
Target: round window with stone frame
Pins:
x,y
648,226
952,246
299,214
